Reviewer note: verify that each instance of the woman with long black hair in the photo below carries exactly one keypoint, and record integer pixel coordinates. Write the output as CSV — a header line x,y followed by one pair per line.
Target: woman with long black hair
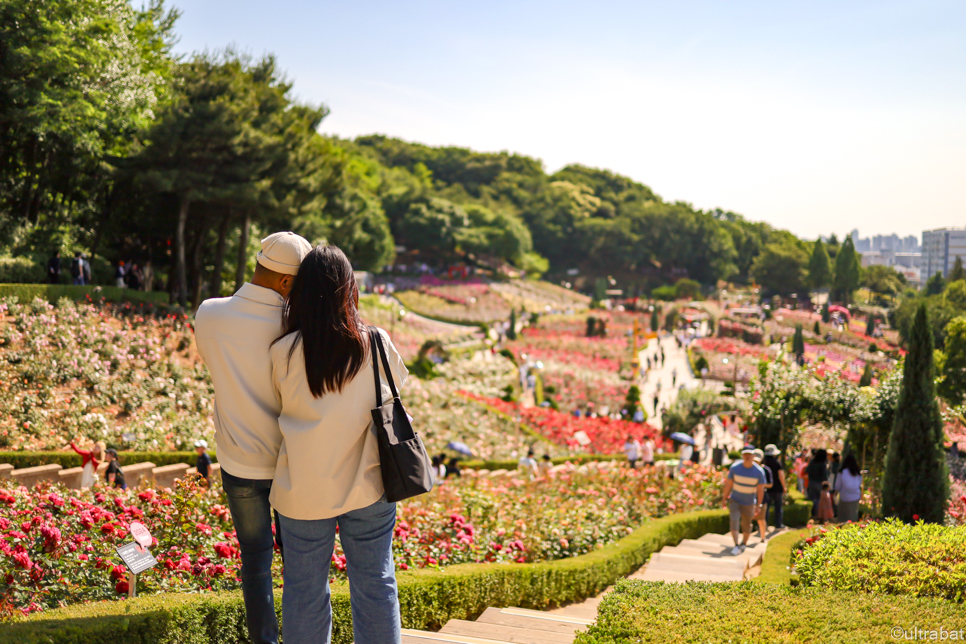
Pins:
x,y
328,475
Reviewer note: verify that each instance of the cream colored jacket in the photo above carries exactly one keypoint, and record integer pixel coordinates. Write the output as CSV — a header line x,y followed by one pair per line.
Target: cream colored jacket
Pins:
x,y
233,336
328,463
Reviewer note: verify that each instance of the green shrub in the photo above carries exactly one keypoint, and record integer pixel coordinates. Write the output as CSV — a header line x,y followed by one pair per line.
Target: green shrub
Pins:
x,y
666,293
21,270
53,292
21,460
638,611
428,598
925,560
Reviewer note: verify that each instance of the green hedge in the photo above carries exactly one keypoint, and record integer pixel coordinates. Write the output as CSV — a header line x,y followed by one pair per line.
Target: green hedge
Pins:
x,y
20,460
428,598
53,292
638,611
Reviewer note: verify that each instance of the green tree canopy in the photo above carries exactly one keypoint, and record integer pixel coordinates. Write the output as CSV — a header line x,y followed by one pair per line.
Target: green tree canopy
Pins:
x,y
952,384
819,266
957,272
780,268
847,271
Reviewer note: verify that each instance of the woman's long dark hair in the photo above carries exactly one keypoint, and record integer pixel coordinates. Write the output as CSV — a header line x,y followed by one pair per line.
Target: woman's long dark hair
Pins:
x,y
323,310
851,465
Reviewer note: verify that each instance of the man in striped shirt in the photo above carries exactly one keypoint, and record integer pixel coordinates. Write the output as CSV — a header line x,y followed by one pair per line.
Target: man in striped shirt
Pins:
x,y
744,491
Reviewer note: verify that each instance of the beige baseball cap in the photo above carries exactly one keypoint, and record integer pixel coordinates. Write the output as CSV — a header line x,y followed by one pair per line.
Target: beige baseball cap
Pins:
x,y
283,252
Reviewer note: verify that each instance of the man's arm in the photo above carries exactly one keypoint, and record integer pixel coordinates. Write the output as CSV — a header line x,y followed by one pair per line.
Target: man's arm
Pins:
x,y
761,493
726,491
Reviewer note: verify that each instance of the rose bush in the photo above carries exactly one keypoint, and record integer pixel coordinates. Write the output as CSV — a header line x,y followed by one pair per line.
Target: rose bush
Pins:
x,y
57,546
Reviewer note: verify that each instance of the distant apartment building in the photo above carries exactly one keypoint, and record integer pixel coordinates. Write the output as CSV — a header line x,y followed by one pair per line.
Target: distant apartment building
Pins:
x,y
879,243
940,248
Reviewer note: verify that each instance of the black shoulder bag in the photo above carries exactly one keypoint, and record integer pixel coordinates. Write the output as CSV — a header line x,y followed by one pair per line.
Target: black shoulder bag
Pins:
x,y
406,468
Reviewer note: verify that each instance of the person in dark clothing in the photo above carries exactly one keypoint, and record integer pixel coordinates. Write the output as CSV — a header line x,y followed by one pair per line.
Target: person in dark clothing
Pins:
x,y
53,268
776,493
114,474
817,471
454,467
204,461
134,277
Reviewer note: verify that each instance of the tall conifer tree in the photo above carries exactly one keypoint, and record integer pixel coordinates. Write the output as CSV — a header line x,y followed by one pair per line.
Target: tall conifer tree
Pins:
x,y
916,481
819,266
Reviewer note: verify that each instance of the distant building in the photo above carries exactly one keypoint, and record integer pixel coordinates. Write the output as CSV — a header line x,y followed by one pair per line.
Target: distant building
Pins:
x,y
940,248
878,243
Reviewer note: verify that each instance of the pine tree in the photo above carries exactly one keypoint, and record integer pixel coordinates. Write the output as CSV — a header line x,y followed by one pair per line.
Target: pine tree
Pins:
x,y
935,284
798,342
819,266
847,270
957,272
511,332
866,379
916,481
632,402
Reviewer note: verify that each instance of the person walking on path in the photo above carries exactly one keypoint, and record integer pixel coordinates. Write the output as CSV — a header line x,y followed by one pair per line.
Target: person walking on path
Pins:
x,y
77,269
744,492
233,336
776,494
632,449
674,377
328,477
89,461
203,464
800,462
119,274
849,486
647,452
761,516
53,268
817,472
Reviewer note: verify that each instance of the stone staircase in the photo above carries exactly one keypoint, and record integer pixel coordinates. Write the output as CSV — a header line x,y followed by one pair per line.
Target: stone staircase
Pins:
x,y
708,558
505,626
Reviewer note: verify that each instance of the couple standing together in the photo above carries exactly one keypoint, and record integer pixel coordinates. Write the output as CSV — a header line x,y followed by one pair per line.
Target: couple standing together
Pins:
x,y
290,362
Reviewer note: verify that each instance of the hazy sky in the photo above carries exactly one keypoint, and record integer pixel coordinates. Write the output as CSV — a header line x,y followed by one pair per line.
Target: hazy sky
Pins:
x,y
814,116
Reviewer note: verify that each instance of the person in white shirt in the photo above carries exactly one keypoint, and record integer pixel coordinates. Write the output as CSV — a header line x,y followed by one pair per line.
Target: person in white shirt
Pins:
x,y
632,448
328,474
528,464
848,484
647,452
233,336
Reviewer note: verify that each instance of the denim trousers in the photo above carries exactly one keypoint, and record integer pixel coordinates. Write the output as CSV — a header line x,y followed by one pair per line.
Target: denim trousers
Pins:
x,y
776,501
366,538
252,516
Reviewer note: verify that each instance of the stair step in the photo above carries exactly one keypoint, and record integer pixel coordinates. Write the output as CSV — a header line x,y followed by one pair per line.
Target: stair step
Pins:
x,y
496,616
726,540
689,563
554,616
410,636
502,633
682,576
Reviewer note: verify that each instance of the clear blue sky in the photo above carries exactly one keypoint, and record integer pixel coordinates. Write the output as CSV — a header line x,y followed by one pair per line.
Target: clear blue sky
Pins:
x,y
814,116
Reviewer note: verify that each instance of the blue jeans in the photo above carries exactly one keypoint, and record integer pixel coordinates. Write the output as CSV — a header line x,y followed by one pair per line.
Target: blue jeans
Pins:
x,y
252,516
366,537
778,518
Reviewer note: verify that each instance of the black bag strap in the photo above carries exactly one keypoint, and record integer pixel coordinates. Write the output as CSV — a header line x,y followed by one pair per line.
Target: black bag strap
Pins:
x,y
375,364
385,364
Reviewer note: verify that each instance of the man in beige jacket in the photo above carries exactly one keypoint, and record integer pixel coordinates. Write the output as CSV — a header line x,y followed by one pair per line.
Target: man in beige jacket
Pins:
x,y
234,335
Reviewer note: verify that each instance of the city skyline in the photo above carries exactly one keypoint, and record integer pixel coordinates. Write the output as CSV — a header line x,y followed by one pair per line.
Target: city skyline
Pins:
x,y
815,118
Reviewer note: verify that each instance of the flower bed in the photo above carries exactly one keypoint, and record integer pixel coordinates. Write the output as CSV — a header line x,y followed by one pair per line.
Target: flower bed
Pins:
x,y
606,435
57,545
105,373
410,332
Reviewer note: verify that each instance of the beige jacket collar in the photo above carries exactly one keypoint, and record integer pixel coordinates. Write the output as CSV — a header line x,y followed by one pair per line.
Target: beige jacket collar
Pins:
x,y
260,294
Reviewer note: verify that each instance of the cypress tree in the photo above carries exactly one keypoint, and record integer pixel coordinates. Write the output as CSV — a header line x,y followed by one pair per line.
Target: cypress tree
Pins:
x,y
632,402
817,330
870,325
591,326
798,342
654,321
957,272
848,270
511,332
826,316
916,481
866,379
819,266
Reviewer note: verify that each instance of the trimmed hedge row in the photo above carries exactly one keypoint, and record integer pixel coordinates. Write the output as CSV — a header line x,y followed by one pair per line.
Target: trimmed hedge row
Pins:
x,y
560,460
53,292
639,611
428,598
20,460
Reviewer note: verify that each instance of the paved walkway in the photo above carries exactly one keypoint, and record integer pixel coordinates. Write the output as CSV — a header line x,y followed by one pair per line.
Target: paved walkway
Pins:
x,y
675,361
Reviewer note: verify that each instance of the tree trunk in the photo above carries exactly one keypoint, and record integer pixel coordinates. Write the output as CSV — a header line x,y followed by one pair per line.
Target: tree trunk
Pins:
x,y
246,229
220,254
197,267
181,277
